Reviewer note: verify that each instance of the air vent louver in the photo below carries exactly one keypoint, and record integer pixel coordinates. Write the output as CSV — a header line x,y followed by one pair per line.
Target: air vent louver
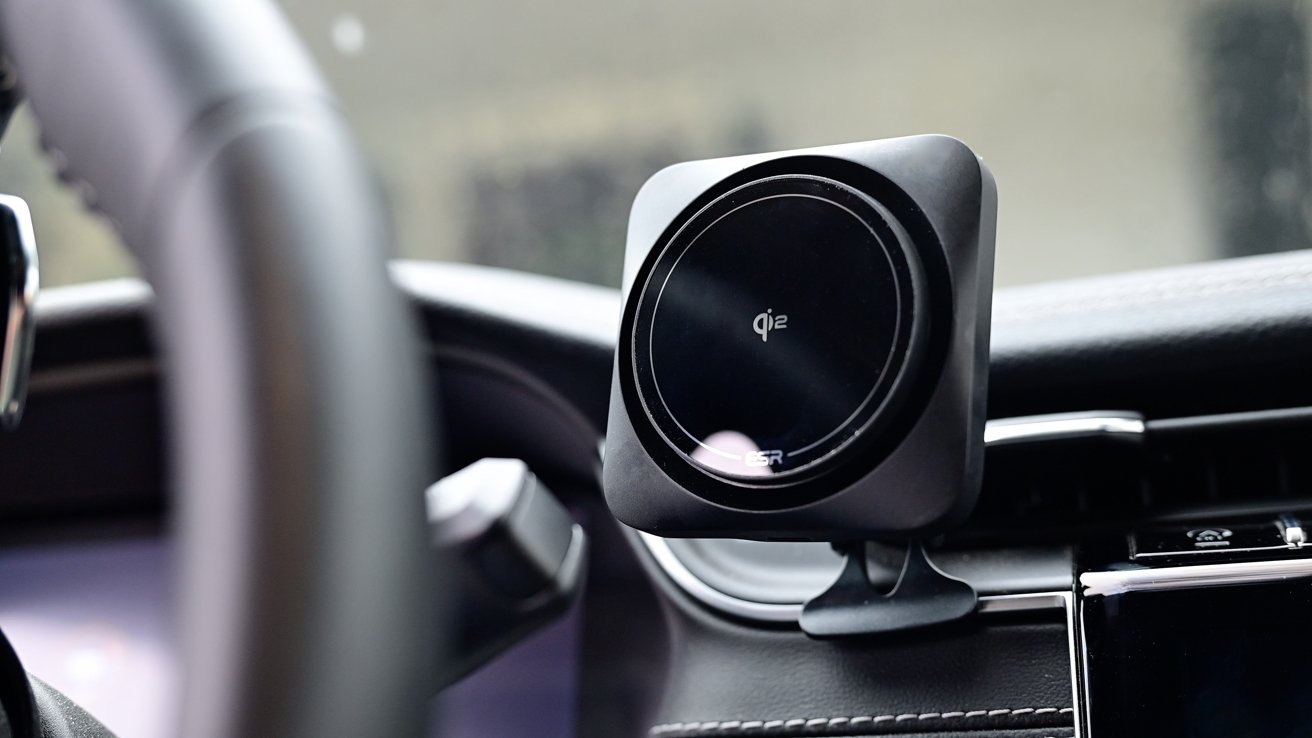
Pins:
x,y
1176,469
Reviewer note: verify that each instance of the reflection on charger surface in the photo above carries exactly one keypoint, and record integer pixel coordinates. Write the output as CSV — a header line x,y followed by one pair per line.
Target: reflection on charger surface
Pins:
x,y
782,311
730,452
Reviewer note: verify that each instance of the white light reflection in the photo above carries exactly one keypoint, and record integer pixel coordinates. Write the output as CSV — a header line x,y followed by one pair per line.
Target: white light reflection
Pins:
x,y
733,448
348,34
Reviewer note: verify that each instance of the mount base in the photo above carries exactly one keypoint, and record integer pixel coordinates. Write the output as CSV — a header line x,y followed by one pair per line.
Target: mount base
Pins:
x,y
923,596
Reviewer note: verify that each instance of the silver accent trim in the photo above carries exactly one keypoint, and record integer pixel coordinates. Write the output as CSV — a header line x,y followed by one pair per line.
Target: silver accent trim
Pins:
x,y
1025,602
1075,655
1079,669
1291,529
1038,428
20,327
768,612
1184,577
704,593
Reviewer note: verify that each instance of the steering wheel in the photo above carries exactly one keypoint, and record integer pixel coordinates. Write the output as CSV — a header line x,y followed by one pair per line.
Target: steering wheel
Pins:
x,y
295,390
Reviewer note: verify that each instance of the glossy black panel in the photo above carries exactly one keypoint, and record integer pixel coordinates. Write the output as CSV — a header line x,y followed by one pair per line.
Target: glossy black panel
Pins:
x,y
1205,662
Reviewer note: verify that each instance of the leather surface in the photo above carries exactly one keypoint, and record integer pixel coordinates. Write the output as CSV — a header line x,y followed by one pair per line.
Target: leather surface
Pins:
x,y
988,672
1215,337
202,132
987,676
840,728
61,718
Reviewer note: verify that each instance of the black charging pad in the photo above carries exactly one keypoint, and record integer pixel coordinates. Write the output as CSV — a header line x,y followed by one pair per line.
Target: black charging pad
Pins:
x,y
803,352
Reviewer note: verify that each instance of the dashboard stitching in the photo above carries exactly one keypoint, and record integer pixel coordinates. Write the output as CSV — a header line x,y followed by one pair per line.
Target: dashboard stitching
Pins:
x,y
723,726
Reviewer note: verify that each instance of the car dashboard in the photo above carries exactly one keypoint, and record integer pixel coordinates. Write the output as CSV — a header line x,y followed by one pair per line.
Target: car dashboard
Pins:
x,y
1127,410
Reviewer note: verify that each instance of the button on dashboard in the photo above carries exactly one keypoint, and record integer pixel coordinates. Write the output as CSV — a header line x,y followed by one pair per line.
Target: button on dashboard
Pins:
x,y
1205,539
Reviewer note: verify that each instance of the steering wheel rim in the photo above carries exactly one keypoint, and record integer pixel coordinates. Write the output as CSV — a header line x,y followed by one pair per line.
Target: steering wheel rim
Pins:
x,y
201,130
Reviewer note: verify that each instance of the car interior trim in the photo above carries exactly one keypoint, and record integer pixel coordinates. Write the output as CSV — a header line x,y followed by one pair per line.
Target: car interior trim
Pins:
x,y
995,604
713,598
1182,577
767,612
1230,421
1034,429
857,721
89,375
1074,658
1064,426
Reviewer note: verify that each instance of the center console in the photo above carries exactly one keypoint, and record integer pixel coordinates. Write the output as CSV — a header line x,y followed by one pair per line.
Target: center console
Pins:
x,y
1198,630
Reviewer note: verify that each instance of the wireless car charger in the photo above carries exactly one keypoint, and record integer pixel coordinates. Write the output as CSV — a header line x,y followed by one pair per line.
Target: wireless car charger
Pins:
x,y
804,350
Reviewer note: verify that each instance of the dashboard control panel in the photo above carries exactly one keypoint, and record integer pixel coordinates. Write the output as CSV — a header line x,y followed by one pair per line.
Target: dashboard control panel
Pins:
x,y
1211,541
1189,631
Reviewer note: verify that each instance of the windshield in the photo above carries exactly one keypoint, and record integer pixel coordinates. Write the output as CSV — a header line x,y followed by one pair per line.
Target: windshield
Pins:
x,y
1123,135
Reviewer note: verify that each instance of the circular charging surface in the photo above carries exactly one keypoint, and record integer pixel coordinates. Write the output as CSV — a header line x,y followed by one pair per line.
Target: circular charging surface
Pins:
x,y
774,326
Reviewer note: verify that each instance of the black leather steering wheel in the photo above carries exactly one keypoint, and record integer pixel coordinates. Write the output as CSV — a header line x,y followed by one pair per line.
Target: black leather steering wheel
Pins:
x,y
297,410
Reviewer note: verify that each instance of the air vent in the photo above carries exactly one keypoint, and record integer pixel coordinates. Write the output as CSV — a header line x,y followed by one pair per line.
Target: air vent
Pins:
x,y
1108,476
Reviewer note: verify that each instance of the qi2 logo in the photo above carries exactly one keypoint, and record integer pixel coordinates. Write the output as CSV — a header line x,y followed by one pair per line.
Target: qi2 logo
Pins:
x,y
768,321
